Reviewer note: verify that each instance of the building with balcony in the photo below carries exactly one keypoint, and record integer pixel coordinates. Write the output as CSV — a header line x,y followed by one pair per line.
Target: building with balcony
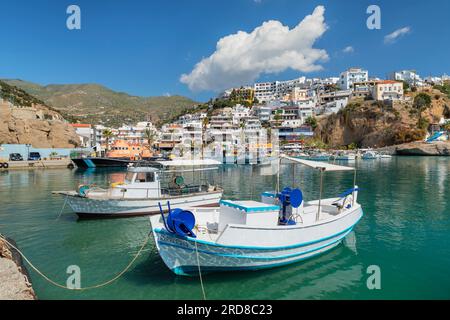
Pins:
x,y
352,75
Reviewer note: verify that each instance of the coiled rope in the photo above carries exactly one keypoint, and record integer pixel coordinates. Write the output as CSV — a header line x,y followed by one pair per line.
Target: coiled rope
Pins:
x,y
78,289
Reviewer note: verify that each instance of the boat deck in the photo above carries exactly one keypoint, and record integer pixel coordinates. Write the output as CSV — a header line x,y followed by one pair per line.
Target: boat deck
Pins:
x,y
207,219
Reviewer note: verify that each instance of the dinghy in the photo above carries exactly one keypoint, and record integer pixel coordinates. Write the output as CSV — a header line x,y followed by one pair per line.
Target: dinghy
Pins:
x,y
144,187
280,229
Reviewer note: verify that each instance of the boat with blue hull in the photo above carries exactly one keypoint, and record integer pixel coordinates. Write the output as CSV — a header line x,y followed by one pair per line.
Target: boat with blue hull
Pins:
x,y
280,229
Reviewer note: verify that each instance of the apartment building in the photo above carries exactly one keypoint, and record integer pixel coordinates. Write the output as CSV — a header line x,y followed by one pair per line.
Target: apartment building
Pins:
x,y
352,75
409,76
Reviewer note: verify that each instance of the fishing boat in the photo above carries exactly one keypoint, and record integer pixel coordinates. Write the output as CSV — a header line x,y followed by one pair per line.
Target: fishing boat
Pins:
x,y
342,156
370,155
280,229
144,187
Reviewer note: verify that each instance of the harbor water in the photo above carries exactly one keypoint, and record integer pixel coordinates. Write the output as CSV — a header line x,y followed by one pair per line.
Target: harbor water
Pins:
x,y
405,231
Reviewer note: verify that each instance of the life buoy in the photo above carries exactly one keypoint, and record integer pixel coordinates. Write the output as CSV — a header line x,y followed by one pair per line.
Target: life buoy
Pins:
x,y
6,165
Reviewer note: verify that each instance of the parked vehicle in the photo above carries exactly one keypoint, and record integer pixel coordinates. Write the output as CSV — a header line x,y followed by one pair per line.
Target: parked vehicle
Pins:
x,y
15,157
34,156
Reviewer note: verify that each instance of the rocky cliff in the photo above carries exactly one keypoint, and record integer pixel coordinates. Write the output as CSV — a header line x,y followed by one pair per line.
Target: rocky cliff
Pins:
x,y
26,120
378,124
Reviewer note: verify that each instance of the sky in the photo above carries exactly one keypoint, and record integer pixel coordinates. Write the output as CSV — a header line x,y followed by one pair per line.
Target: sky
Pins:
x,y
196,48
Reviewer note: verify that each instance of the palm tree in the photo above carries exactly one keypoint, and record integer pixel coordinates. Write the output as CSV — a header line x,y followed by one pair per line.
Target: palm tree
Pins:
x,y
149,135
108,134
205,123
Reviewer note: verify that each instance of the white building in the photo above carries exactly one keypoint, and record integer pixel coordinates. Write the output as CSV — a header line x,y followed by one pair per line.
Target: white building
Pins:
x,y
86,134
268,91
352,75
409,76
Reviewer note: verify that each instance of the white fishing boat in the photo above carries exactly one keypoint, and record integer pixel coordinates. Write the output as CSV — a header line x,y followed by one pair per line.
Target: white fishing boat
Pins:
x,y
248,235
144,187
370,155
342,156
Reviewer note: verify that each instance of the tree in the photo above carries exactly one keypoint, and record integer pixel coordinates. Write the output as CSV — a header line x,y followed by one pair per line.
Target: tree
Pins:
x,y
422,101
108,134
406,86
150,136
311,121
205,123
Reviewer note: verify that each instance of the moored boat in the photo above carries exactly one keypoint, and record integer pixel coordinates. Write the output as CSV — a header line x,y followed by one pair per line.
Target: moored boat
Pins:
x,y
280,229
143,188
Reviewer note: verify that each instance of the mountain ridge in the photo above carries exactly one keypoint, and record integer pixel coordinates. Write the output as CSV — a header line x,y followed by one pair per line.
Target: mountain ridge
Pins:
x,y
97,104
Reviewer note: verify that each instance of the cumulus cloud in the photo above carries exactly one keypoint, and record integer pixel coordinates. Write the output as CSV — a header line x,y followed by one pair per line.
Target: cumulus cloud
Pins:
x,y
242,57
348,49
392,37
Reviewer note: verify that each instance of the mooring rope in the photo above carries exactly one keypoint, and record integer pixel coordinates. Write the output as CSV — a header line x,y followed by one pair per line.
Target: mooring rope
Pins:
x,y
64,205
78,289
200,271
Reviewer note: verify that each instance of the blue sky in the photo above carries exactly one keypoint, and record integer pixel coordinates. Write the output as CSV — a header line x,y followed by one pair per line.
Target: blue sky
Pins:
x,y
143,47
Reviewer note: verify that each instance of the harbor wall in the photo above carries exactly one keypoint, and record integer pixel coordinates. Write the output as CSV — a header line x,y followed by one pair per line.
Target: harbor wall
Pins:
x,y
6,149
14,279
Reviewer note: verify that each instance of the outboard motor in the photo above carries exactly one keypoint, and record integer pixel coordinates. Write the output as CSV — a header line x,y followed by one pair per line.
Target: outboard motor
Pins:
x,y
289,198
179,221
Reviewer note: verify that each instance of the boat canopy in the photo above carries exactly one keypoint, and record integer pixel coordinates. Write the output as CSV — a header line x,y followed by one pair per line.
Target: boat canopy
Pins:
x,y
317,165
189,163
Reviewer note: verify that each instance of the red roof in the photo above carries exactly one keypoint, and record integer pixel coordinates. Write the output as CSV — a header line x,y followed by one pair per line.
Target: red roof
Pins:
x,y
388,82
80,125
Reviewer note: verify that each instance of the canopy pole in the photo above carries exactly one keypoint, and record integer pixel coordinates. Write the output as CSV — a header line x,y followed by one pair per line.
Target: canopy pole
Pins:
x,y
320,195
278,175
354,187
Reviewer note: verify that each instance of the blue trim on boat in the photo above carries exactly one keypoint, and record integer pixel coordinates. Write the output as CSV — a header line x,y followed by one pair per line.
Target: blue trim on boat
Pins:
x,y
159,230
190,270
237,256
263,207
89,163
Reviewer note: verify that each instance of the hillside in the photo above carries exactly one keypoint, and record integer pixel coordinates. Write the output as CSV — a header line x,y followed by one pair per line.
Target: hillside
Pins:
x,y
96,104
376,124
24,119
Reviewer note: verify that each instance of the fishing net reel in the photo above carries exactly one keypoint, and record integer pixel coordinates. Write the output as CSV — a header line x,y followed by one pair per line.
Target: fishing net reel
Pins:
x,y
289,199
179,221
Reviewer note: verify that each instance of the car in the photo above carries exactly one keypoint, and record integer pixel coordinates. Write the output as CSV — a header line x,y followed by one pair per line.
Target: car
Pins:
x,y
15,157
34,156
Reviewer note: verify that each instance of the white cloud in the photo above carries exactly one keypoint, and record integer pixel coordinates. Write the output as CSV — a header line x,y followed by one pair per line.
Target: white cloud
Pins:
x,y
348,49
392,37
242,57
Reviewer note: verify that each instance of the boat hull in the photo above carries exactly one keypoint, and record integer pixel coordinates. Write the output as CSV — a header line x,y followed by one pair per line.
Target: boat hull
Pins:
x,y
110,208
271,247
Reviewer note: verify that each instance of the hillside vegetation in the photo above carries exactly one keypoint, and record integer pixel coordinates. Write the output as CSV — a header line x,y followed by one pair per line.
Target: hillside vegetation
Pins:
x,y
96,104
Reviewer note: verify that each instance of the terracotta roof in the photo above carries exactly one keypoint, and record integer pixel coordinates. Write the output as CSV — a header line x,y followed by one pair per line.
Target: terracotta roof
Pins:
x,y
80,125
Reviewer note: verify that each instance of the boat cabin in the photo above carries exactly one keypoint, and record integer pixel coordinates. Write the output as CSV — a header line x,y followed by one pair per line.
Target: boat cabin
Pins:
x,y
140,182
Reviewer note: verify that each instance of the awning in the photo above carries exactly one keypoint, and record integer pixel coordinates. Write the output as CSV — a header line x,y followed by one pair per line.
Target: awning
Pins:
x,y
189,163
324,166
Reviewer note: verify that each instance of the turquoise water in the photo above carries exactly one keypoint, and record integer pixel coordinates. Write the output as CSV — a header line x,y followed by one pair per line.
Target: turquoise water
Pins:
x,y
405,231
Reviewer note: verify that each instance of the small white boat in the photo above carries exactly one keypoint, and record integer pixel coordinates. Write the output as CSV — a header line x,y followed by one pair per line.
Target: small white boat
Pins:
x,y
251,235
144,187
342,156
369,155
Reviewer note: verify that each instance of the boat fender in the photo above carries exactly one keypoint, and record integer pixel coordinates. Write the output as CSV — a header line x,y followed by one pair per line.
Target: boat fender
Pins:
x,y
82,189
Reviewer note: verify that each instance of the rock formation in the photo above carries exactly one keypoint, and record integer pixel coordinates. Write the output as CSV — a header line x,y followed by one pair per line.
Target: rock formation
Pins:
x,y
36,125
